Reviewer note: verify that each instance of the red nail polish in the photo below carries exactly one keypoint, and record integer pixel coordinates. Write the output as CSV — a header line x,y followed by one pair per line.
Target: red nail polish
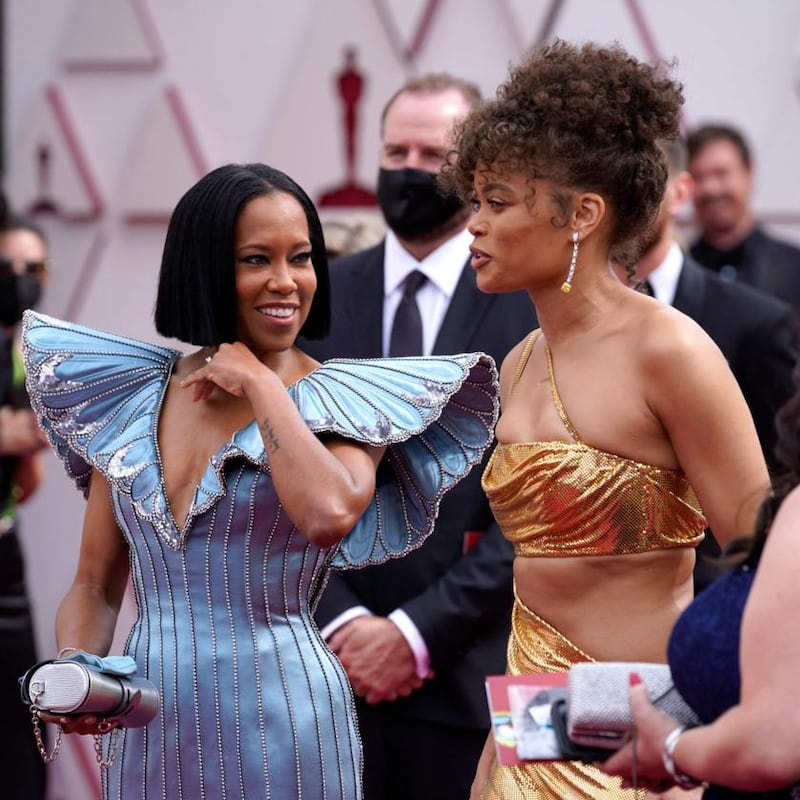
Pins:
x,y
635,679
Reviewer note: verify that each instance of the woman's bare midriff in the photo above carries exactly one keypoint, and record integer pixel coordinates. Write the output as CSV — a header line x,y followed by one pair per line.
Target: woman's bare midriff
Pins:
x,y
614,608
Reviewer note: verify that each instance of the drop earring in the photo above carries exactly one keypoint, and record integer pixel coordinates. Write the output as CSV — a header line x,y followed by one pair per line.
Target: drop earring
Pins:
x,y
566,287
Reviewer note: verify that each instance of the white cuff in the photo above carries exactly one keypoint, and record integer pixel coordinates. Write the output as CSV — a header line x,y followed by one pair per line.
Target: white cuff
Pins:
x,y
345,616
415,641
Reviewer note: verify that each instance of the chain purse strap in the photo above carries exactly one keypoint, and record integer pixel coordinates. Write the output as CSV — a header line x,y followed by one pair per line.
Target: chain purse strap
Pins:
x,y
37,735
105,763
36,722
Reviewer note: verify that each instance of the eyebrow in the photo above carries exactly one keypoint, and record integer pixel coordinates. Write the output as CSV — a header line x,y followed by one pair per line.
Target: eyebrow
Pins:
x,y
267,248
495,186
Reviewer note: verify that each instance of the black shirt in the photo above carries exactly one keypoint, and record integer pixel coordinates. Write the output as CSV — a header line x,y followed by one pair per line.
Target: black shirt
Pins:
x,y
759,260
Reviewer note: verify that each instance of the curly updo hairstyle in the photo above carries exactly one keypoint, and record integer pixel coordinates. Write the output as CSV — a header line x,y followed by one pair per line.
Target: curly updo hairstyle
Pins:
x,y
585,117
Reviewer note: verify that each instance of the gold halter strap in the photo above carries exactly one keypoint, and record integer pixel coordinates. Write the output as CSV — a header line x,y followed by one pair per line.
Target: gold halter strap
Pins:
x,y
562,412
523,362
524,356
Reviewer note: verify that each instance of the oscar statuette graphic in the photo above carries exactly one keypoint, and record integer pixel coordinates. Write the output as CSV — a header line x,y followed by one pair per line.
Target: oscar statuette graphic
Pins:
x,y
43,204
350,87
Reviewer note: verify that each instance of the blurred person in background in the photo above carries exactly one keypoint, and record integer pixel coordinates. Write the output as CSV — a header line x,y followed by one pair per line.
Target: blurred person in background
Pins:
x,y
23,274
731,242
351,233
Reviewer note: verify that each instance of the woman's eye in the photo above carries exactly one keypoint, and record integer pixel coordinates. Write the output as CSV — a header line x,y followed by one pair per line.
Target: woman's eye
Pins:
x,y
302,258
492,203
256,259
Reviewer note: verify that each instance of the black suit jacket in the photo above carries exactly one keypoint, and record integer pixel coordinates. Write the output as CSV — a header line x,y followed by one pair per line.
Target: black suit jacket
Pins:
x,y
460,602
757,335
768,264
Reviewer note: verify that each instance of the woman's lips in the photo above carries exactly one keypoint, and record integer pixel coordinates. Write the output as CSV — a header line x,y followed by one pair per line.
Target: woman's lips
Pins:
x,y
479,258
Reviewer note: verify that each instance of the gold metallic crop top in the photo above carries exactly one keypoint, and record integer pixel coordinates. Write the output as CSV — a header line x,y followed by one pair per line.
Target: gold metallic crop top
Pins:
x,y
571,499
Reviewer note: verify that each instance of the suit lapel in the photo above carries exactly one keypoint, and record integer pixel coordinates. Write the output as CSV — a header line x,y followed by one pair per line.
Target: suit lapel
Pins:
x,y
691,289
464,315
363,313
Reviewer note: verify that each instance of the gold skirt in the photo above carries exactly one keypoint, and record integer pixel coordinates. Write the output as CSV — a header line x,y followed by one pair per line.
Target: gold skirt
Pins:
x,y
536,646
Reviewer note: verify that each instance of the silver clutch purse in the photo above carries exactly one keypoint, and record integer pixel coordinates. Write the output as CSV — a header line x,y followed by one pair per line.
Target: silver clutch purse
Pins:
x,y
87,684
70,688
598,704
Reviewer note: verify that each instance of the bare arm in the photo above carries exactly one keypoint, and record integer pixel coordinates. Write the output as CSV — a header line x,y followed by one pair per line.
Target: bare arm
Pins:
x,y
341,473
87,615
693,393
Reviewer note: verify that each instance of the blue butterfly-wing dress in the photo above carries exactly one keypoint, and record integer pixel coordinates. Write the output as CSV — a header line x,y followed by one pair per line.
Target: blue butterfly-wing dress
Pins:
x,y
252,702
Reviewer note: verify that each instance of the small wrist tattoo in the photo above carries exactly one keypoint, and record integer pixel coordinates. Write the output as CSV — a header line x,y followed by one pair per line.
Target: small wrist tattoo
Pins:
x,y
269,437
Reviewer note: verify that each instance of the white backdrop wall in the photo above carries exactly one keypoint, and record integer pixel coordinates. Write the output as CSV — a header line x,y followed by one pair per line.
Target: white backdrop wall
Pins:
x,y
114,107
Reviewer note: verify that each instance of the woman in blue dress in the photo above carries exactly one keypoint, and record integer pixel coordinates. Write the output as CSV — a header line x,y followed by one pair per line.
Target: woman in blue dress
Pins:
x,y
227,482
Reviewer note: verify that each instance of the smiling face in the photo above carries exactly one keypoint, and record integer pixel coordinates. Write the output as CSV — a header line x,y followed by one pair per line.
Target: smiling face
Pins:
x,y
275,278
521,240
722,186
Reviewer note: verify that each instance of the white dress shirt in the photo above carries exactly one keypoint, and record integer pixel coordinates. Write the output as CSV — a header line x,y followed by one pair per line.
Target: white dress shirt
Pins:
x,y
664,278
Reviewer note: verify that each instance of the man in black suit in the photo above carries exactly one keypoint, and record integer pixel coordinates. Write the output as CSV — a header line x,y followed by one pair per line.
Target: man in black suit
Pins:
x,y
756,333
731,243
417,636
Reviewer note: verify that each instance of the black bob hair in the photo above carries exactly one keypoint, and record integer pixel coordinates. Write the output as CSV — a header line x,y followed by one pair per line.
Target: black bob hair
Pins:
x,y
196,300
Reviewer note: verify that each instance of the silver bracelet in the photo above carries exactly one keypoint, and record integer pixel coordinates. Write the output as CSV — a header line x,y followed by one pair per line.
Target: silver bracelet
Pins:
x,y
681,778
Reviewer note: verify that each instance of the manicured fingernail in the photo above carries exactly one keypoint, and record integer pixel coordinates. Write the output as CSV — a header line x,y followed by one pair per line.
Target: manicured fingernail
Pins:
x,y
635,679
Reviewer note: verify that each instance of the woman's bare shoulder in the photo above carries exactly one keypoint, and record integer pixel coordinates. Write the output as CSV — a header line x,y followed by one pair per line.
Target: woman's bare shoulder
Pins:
x,y
667,341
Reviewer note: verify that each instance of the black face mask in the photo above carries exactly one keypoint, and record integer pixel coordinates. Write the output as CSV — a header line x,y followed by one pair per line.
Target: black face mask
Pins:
x,y
411,202
17,293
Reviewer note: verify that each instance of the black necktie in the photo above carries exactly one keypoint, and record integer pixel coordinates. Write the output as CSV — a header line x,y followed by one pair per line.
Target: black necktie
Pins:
x,y
406,338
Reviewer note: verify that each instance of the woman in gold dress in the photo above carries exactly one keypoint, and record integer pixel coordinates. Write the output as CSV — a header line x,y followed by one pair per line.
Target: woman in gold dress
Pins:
x,y
623,432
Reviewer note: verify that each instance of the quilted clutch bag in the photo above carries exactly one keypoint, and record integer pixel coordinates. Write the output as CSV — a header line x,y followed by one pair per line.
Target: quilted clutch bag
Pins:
x,y
598,704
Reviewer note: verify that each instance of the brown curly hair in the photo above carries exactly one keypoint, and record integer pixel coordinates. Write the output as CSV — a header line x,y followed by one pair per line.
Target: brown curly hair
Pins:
x,y
585,117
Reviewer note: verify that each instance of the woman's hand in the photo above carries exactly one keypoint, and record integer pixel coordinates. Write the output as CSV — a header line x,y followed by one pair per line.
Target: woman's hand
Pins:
x,y
652,727
230,368
83,723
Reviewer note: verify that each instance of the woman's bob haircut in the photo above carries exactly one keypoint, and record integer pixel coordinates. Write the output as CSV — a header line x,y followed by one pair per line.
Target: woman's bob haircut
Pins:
x,y
196,300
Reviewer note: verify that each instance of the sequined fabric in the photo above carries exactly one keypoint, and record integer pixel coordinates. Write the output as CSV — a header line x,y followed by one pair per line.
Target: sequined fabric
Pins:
x,y
570,499
536,646
253,704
